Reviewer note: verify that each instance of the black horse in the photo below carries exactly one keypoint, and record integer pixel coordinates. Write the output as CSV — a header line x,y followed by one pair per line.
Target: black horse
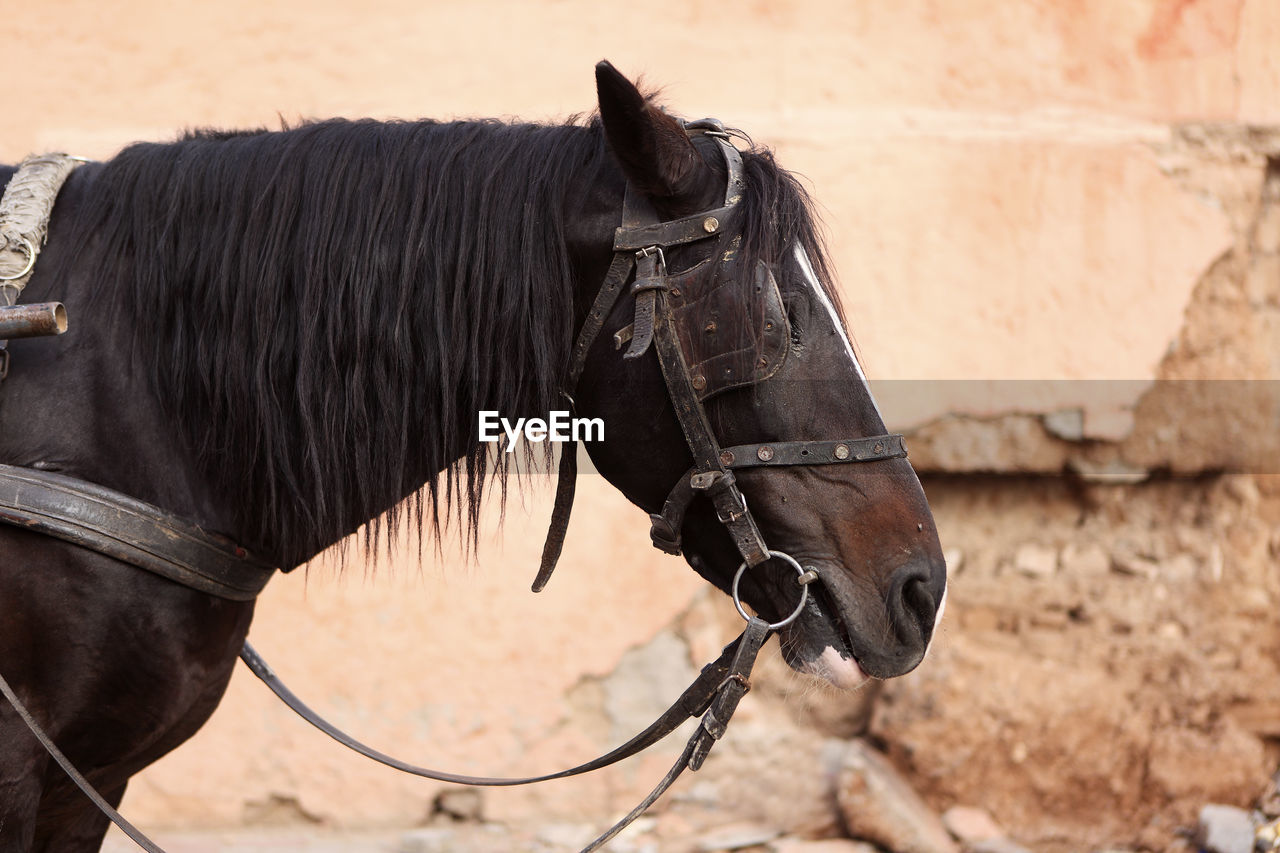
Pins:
x,y
283,335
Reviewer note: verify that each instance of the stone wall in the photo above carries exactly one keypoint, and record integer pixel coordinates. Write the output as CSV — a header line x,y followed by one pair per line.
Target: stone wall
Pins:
x,y
1057,227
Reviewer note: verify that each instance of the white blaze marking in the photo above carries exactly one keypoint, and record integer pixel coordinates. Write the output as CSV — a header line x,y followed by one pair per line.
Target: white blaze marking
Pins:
x,y
806,268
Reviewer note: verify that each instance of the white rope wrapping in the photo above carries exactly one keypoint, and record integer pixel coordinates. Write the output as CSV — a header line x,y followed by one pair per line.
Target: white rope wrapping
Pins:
x,y
24,217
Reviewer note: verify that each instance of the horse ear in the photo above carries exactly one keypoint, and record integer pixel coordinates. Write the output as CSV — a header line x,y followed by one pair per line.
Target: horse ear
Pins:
x,y
655,152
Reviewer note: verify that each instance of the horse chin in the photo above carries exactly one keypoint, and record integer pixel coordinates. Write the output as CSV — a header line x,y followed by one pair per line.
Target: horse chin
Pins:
x,y
817,644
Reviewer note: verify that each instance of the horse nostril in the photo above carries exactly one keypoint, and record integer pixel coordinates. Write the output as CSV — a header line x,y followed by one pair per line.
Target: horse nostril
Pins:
x,y
913,608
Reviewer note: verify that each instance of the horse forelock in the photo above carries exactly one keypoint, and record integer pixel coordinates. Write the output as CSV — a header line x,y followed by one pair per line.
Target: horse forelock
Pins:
x,y
778,211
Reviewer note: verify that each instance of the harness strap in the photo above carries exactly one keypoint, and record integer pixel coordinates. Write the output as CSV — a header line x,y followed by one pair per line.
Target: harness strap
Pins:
x,y
130,530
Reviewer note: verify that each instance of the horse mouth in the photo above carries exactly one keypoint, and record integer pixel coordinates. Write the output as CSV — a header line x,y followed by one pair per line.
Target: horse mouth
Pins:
x,y
818,643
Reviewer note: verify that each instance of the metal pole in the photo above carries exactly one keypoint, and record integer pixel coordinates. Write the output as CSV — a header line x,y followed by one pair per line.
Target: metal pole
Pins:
x,y
32,321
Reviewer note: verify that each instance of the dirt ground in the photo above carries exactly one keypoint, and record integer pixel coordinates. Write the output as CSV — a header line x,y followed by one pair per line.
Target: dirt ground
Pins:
x,y
1109,661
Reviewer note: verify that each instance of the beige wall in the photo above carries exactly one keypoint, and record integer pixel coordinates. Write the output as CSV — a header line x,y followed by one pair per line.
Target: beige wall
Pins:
x,y
1007,198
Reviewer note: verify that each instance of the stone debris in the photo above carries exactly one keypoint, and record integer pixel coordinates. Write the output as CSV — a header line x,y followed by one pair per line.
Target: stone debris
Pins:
x,y
566,836
737,836
1126,562
1180,568
1084,560
1267,837
826,845
1067,424
1269,802
970,825
1036,561
434,840
459,804
1224,829
997,845
879,806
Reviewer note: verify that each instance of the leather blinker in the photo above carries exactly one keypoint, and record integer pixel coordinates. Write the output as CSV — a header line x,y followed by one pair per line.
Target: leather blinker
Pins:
x,y
733,332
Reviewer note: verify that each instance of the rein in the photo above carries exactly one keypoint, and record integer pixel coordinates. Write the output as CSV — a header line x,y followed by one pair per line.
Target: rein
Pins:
x,y
152,539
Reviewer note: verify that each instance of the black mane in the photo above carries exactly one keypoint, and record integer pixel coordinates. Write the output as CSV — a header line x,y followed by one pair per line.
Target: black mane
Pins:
x,y
325,308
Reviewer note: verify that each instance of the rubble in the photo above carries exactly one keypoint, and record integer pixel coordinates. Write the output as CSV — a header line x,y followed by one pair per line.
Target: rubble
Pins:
x,y
1224,829
879,806
970,825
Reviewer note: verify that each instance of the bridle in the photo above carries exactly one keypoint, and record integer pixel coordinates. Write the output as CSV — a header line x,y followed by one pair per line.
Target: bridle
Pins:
x,y
641,243
153,539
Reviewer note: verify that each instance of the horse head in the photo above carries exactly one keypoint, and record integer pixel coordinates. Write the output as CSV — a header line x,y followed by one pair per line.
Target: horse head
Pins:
x,y
765,352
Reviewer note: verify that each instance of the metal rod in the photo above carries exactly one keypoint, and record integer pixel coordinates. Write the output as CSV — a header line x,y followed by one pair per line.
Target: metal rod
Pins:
x,y
32,321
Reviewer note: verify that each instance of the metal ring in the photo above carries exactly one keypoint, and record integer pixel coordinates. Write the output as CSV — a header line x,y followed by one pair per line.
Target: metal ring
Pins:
x,y
804,591
31,261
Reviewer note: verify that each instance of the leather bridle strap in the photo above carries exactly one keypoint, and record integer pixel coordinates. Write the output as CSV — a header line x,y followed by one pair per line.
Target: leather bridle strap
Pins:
x,y
567,478
712,727
638,243
693,702
665,530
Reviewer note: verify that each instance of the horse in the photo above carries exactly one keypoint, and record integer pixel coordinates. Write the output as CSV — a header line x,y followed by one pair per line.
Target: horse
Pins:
x,y
285,336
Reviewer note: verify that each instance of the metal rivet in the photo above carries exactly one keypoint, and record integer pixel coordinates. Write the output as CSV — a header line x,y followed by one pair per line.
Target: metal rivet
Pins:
x,y
842,451
710,224
699,382
711,327
879,448
765,453
726,457
768,327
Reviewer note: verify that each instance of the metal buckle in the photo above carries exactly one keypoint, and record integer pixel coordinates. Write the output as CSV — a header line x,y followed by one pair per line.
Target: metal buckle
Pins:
x,y
734,515
651,250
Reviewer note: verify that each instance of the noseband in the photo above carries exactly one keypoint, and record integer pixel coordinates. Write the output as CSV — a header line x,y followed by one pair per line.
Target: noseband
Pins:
x,y
640,243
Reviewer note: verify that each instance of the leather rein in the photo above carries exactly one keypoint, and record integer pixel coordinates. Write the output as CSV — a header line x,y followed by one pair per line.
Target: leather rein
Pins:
x,y
152,539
